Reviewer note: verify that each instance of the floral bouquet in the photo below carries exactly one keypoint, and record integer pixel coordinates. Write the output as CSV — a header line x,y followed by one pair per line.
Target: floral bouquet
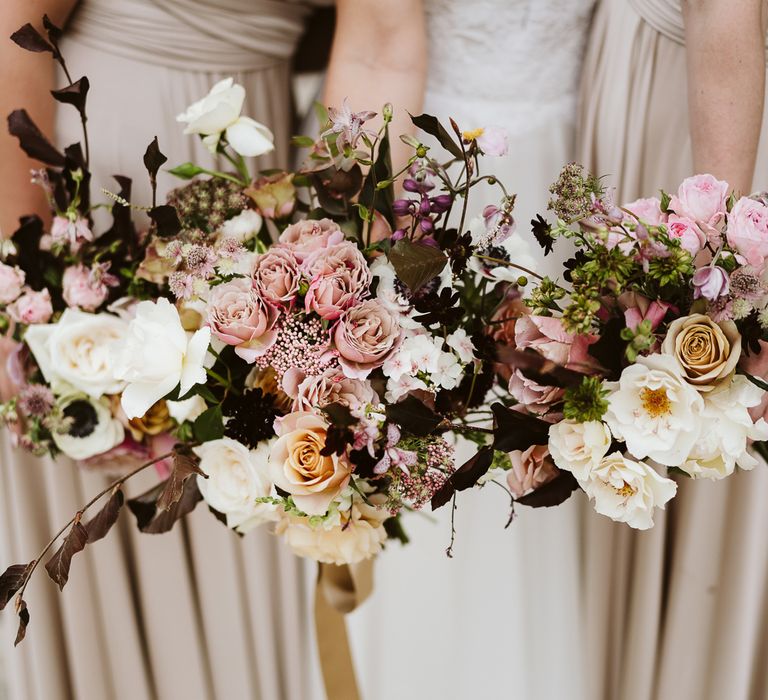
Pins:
x,y
296,349
646,360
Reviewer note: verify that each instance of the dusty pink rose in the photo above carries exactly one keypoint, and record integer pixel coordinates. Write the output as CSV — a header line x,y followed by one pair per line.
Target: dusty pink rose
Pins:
x,y
310,235
687,232
276,276
493,141
332,386
546,336
239,316
638,308
647,210
701,198
11,283
531,469
298,467
74,233
32,307
748,230
10,380
339,278
710,282
364,337
85,289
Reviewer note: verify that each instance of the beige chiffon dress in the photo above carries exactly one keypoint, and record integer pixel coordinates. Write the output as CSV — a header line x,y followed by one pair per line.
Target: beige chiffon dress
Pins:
x,y
680,611
196,613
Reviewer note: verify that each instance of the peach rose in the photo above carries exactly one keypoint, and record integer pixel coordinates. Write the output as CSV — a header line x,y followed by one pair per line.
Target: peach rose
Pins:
x,y
310,235
339,278
364,337
531,469
276,276
332,386
298,468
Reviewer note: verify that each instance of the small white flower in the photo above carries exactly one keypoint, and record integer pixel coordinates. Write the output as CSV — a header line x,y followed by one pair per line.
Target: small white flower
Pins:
x,y
462,345
628,491
579,447
186,410
237,477
93,432
406,383
242,227
157,356
655,411
449,371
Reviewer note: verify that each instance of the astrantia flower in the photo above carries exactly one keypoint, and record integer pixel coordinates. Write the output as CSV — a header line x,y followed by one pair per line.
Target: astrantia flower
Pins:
x,y
628,491
655,411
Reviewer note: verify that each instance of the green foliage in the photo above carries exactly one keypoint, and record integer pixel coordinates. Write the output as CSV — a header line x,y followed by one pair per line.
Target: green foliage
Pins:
x,y
587,401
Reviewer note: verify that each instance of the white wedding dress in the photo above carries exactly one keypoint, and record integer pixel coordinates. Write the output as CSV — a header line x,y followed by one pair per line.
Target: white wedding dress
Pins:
x,y
502,618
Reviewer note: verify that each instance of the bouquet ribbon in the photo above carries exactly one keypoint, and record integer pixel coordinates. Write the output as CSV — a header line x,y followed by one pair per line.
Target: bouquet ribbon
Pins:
x,y
339,590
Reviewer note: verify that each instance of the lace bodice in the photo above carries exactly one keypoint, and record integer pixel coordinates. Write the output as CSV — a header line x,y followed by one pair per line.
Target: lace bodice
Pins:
x,y
524,54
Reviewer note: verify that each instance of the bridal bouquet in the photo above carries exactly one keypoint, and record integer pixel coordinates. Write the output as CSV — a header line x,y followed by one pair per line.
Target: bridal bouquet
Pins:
x,y
291,347
640,363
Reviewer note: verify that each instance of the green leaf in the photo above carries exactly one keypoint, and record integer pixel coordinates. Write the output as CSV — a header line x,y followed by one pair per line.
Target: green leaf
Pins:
x,y
431,125
321,114
303,141
416,263
378,191
209,425
665,200
186,171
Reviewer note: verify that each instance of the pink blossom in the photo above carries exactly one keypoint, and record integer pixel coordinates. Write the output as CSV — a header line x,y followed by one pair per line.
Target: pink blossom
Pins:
x,y
32,307
339,278
11,283
11,379
647,210
310,235
87,289
493,141
531,469
331,386
748,230
638,308
701,198
710,282
687,232
239,316
276,276
68,231
347,124
364,337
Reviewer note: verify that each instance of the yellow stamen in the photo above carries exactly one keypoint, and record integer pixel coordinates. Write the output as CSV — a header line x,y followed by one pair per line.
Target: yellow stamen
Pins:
x,y
625,490
655,402
472,135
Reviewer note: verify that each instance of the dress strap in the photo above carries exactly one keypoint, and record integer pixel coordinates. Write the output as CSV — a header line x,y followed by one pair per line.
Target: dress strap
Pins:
x,y
665,16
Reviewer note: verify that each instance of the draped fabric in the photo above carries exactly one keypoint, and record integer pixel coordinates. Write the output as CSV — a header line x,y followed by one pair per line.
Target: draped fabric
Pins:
x,y
196,613
680,611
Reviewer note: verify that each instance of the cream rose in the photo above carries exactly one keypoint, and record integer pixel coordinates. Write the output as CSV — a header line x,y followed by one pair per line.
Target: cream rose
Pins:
x,y
79,351
359,536
297,467
707,352
627,491
579,447
237,477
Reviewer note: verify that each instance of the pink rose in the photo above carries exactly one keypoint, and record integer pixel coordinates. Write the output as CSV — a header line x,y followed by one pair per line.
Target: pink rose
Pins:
x,y
493,141
310,235
11,379
298,467
66,231
11,283
647,210
638,308
710,282
687,232
748,230
87,289
339,278
32,307
701,198
239,316
332,386
364,338
531,469
276,276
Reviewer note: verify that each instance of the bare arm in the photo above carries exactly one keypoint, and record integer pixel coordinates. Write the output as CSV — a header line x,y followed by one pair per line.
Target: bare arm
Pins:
x,y
725,48
26,79
378,56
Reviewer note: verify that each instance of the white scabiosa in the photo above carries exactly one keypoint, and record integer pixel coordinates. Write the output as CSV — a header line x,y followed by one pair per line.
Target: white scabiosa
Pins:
x,y
90,429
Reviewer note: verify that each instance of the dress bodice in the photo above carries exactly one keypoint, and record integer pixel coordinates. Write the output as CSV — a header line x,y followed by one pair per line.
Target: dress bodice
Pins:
x,y
524,54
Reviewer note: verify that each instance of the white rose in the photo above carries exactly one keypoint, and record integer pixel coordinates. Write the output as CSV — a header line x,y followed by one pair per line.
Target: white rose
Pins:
x,y
242,227
219,112
186,410
237,476
79,351
726,429
358,536
628,491
579,447
158,355
93,430
655,411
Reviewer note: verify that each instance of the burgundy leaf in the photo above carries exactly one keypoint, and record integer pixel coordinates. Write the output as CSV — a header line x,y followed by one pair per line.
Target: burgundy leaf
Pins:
x,y
21,608
165,219
466,476
153,158
431,125
74,94
58,565
538,369
414,416
32,140
416,263
442,495
514,430
30,39
552,493
101,523
153,521
184,466
12,580
54,33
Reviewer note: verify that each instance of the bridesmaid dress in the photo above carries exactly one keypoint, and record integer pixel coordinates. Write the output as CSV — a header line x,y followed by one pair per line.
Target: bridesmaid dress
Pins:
x,y
500,619
679,611
196,613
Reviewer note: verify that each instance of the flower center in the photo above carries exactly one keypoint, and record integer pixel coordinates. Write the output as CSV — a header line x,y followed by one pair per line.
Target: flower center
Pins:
x,y
625,490
473,134
655,402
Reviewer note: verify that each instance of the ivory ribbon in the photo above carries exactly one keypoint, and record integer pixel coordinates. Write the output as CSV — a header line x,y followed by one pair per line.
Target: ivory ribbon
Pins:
x,y
340,589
